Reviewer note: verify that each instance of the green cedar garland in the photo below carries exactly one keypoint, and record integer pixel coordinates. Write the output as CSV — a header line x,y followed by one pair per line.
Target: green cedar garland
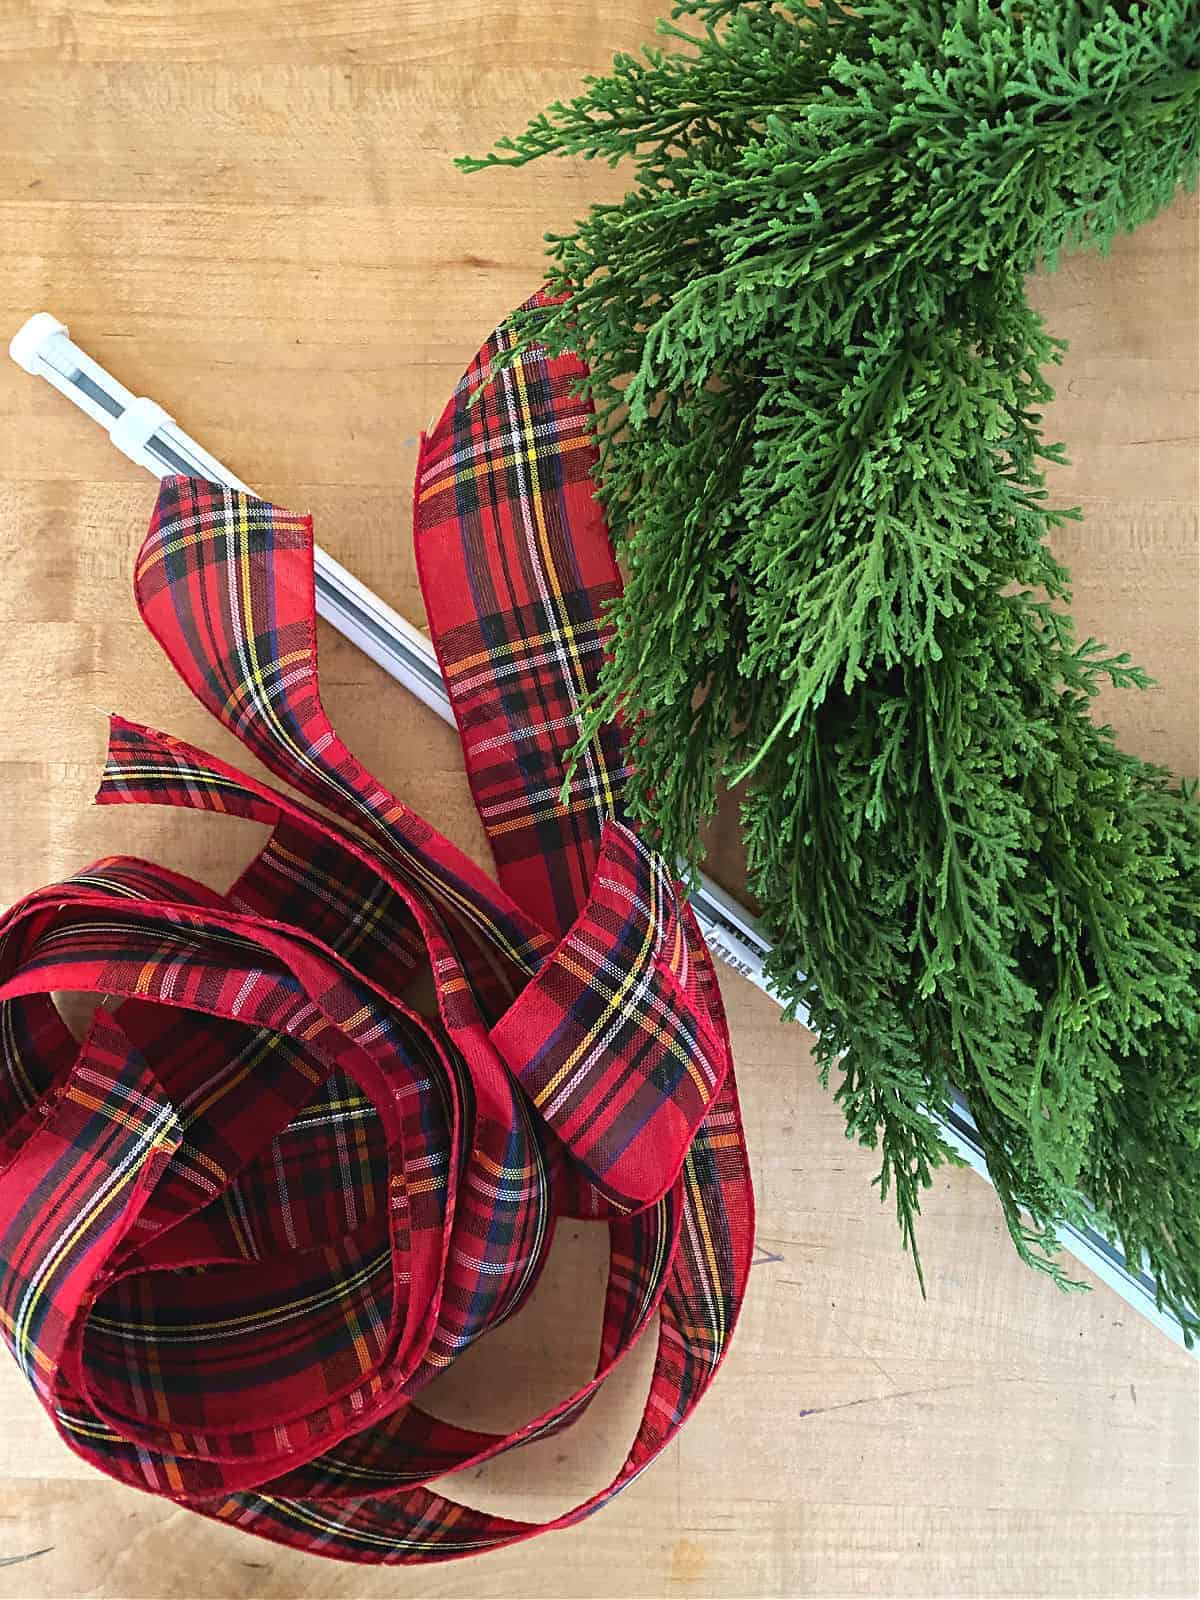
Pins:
x,y
818,379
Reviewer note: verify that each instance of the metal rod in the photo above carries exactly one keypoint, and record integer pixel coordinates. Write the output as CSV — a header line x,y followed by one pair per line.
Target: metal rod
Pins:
x,y
145,433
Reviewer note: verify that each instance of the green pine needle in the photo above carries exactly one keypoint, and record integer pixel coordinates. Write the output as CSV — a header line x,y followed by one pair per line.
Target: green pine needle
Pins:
x,y
818,382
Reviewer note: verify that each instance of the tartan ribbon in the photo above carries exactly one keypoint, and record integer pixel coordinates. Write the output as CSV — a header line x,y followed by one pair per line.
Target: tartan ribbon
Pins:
x,y
266,1201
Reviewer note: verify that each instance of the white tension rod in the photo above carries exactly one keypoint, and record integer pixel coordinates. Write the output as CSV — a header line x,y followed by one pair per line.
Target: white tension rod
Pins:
x,y
144,432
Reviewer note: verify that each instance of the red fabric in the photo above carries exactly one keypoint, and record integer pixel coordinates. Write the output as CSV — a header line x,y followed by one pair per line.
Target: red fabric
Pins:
x,y
247,1220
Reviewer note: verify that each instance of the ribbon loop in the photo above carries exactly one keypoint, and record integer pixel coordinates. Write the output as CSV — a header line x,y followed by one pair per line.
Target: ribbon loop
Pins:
x,y
76,1183
606,1040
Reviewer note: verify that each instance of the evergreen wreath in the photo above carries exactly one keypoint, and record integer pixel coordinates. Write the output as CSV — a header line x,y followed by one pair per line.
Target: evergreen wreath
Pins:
x,y
817,380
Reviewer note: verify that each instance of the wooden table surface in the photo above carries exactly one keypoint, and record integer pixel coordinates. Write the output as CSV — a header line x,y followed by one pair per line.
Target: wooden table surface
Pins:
x,y
249,211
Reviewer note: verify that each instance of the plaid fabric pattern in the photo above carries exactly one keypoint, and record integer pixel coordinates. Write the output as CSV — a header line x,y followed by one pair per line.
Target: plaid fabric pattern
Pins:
x,y
623,1065
247,1220
517,571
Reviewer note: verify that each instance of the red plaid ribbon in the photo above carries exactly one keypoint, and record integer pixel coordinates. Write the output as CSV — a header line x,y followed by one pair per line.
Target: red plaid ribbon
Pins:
x,y
265,1201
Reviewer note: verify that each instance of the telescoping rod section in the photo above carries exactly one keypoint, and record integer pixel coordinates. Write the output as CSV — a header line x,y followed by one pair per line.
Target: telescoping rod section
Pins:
x,y
148,435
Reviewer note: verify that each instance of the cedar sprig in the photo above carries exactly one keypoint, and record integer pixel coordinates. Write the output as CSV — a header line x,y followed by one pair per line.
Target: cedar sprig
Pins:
x,y
818,384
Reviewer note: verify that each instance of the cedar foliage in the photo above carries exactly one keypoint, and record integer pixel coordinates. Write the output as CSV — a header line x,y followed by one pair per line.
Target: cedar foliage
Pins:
x,y
818,379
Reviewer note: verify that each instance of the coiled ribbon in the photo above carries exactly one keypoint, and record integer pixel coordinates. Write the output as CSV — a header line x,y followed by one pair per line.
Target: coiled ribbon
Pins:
x,y
266,1201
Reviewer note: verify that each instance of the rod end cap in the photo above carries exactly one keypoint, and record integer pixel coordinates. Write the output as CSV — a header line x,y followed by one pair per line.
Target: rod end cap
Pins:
x,y
26,344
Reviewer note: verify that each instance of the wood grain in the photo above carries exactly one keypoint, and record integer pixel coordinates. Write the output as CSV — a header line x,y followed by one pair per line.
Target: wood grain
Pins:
x,y
249,211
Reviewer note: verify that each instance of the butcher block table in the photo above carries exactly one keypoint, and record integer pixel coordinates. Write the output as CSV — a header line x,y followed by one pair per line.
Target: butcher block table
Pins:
x,y
250,212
